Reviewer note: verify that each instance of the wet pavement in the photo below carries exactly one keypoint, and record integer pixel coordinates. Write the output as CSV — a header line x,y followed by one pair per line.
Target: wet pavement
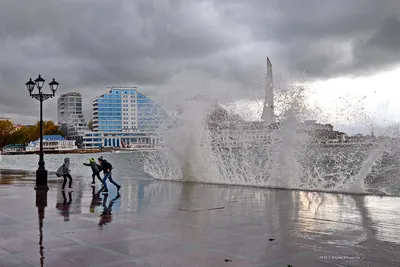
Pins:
x,y
155,223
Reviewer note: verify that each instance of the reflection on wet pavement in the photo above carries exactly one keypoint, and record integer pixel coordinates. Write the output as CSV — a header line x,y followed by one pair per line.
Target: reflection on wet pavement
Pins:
x,y
186,224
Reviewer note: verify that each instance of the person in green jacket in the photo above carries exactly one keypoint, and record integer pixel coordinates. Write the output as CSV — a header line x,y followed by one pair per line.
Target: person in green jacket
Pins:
x,y
95,169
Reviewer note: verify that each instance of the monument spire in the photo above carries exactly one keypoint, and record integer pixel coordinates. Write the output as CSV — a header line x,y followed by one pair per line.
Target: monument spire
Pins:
x,y
268,107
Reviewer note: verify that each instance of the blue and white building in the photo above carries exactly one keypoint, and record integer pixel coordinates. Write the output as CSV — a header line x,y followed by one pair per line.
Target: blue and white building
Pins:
x,y
123,117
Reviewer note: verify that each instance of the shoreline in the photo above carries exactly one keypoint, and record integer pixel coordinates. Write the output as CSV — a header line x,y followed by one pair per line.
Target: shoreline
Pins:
x,y
84,151
22,172
376,194
75,151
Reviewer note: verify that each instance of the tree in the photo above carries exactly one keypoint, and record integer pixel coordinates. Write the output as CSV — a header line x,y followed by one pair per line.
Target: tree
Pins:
x,y
90,125
27,134
49,128
20,136
6,130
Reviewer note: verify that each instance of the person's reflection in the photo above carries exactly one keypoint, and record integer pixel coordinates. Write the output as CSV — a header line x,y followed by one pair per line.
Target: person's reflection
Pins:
x,y
65,206
106,215
96,200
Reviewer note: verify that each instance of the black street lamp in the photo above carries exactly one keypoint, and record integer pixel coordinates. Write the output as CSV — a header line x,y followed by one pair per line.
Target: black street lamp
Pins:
x,y
41,173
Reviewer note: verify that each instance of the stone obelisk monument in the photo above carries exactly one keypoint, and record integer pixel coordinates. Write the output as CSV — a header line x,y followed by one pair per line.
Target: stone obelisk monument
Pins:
x,y
268,108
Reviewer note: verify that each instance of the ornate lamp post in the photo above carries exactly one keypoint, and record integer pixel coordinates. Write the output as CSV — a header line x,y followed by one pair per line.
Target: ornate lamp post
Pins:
x,y
41,173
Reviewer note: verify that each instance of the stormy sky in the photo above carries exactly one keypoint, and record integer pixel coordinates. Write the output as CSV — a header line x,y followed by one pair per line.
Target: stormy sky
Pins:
x,y
170,48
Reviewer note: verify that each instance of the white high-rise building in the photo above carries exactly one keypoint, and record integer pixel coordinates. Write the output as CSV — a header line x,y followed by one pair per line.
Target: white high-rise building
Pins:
x,y
70,116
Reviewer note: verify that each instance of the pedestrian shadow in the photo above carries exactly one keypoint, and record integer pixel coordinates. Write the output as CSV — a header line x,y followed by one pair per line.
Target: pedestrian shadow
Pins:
x,y
65,206
106,215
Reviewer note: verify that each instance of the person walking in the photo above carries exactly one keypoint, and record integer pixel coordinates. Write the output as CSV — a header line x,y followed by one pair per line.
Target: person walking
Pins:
x,y
95,170
66,174
106,167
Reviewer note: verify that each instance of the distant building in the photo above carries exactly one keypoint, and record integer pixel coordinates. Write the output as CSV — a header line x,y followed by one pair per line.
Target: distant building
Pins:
x,y
18,126
120,140
5,119
123,117
322,132
312,125
70,116
13,149
237,133
52,143
359,138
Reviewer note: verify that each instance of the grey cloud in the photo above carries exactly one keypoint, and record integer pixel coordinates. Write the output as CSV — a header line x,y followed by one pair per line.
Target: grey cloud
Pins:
x,y
382,49
166,44
387,37
89,44
303,28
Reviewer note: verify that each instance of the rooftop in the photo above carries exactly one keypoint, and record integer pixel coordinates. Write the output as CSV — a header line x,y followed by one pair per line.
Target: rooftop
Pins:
x,y
70,94
51,138
15,146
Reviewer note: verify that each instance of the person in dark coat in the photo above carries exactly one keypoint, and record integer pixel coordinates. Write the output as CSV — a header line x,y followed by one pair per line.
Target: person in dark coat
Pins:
x,y
106,167
95,170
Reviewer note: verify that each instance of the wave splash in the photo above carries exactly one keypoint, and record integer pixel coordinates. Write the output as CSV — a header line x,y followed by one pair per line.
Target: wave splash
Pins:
x,y
290,159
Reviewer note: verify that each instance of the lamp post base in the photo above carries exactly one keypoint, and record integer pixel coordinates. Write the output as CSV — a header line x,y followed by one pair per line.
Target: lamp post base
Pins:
x,y
41,180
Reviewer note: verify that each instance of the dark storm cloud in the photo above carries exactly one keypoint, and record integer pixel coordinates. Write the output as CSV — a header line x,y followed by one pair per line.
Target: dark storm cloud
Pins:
x,y
88,45
382,49
311,33
94,44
